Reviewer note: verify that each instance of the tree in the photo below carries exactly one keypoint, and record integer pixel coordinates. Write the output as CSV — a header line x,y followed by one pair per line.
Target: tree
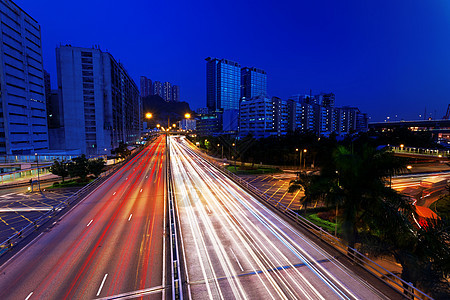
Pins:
x,y
310,184
355,180
423,253
59,168
78,167
122,151
95,166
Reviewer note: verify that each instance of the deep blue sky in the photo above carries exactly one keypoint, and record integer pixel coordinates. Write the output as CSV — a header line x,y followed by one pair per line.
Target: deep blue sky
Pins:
x,y
386,57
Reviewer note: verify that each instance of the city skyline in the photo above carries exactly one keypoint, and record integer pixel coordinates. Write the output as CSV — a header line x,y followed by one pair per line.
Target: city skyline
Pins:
x,y
374,56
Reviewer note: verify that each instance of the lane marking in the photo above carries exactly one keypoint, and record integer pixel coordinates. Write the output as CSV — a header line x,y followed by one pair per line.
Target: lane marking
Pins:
x,y
208,209
140,191
240,267
101,285
130,217
89,223
114,193
29,295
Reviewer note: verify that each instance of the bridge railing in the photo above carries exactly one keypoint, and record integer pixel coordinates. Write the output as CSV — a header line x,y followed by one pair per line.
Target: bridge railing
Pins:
x,y
421,151
391,279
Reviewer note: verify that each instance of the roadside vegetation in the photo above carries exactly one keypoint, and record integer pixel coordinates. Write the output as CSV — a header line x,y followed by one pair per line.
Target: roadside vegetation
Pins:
x,y
248,170
78,169
351,175
442,207
374,218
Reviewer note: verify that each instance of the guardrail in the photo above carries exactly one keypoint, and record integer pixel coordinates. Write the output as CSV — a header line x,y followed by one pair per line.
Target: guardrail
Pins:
x,y
80,194
177,292
408,290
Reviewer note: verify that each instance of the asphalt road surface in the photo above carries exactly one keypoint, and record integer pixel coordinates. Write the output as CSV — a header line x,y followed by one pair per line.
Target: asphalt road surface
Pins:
x,y
236,248
111,243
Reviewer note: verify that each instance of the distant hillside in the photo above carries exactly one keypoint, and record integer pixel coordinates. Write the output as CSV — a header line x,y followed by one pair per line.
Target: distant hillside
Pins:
x,y
163,110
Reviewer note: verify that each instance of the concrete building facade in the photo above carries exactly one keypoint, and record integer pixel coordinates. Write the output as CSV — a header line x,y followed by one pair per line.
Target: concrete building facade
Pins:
x,y
23,120
175,93
99,103
167,91
146,86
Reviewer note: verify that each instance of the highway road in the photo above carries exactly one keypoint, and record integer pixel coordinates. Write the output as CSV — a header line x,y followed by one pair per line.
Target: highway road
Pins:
x,y
427,187
236,248
111,243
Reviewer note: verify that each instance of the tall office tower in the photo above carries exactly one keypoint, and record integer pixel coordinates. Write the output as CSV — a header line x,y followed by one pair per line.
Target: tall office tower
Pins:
x,y
146,86
167,91
158,89
223,84
100,104
176,93
23,120
253,82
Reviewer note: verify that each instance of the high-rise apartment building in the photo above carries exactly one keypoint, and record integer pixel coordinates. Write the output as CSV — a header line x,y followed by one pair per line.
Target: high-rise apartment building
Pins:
x,y
23,121
176,93
257,117
253,82
99,102
223,84
327,100
158,89
167,91
146,86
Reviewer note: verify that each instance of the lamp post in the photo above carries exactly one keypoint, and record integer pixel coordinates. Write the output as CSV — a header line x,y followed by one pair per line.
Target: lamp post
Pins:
x,y
304,159
299,159
218,145
37,166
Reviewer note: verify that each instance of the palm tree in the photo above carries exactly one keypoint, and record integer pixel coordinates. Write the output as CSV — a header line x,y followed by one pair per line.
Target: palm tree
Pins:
x,y
304,182
357,182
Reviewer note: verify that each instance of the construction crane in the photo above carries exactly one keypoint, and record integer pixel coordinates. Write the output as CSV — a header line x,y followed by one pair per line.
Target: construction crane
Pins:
x,y
447,114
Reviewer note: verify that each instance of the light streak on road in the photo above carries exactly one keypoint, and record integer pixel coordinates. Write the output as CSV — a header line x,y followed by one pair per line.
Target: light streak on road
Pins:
x,y
237,248
81,259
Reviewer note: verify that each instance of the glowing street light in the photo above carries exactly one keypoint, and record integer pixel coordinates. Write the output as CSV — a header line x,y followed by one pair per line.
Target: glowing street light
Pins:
x,y
157,125
148,115
187,115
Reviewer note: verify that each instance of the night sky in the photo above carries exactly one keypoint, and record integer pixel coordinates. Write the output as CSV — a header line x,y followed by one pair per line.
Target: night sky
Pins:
x,y
386,57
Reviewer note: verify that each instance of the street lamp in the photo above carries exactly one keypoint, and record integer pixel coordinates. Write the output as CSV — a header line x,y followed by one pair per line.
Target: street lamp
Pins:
x,y
148,115
218,145
299,159
187,115
304,159
401,147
